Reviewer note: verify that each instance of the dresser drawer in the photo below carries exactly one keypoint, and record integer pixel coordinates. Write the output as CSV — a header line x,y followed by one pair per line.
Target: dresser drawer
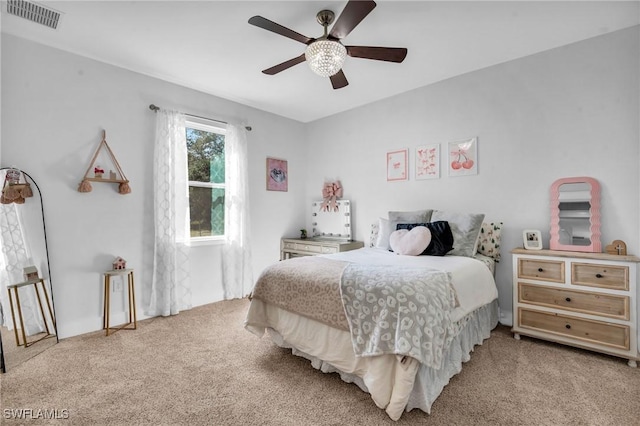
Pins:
x,y
545,270
602,333
311,248
288,245
580,301
295,247
605,276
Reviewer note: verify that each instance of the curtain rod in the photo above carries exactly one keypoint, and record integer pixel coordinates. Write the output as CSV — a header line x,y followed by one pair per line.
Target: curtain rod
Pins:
x,y
155,108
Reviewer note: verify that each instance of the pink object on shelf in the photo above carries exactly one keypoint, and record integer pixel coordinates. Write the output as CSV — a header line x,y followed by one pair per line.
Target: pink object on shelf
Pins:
x,y
559,235
119,263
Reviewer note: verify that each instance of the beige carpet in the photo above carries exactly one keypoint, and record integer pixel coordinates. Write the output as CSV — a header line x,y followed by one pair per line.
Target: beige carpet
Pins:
x,y
16,355
202,368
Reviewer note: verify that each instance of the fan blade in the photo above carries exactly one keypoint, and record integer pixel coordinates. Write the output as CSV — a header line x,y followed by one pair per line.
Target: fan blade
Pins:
x,y
285,65
389,54
338,80
268,25
354,12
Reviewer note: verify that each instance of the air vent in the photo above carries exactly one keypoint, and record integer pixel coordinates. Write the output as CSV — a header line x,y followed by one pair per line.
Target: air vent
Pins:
x,y
33,12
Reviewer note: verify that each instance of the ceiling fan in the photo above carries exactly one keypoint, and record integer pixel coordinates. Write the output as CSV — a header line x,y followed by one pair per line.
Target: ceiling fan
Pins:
x,y
326,54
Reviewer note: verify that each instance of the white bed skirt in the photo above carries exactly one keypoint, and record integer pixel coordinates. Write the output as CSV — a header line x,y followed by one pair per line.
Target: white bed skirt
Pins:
x,y
427,382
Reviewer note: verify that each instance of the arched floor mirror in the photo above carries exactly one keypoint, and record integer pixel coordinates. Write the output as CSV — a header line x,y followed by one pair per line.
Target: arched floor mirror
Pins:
x,y
27,314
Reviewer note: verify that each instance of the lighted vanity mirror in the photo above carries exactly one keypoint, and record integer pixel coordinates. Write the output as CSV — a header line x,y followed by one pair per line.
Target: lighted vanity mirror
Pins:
x,y
575,215
331,220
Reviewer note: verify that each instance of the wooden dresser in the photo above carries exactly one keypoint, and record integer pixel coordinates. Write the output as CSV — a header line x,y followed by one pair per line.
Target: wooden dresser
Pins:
x,y
294,247
587,300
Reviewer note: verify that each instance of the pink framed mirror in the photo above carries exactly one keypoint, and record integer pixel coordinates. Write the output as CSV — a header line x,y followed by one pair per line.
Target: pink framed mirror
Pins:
x,y
575,215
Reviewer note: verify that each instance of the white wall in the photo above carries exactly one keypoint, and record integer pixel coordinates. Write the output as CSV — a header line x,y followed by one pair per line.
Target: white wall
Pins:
x,y
54,107
571,111
567,112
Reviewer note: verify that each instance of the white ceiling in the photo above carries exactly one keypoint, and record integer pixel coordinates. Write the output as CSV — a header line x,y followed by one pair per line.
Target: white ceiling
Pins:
x,y
209,46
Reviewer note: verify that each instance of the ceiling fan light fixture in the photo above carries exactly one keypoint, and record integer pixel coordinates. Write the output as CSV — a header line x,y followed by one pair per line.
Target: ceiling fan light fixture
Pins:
x,y
325,57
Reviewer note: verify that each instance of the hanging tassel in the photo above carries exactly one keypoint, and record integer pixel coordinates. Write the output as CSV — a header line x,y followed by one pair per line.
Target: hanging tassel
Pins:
x,y
85,186
11,193
124,188
27,191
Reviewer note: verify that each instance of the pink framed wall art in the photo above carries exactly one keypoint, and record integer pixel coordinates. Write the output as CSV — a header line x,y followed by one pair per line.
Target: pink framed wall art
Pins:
x,y
277,175
397,165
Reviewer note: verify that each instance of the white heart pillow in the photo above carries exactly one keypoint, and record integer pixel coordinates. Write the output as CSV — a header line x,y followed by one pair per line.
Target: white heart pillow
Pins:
x,y
411,243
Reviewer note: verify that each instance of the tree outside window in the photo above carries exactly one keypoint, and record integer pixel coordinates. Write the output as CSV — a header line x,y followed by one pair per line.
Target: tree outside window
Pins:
x,y
205,153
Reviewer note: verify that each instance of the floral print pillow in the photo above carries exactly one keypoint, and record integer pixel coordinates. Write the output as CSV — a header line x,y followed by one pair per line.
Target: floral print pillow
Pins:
x,y
373,236
489,240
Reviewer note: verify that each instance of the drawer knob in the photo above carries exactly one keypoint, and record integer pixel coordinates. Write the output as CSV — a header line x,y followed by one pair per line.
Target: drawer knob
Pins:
x,y
540,270
568,326
568,299
598,275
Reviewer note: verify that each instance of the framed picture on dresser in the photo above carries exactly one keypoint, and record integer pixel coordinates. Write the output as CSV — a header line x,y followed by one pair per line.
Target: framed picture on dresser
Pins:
x,y
532,239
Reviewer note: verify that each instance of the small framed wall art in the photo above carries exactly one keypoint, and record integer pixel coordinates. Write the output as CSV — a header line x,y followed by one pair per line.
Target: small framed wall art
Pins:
x,y
397,165
277,175
463,158
428,162
532,239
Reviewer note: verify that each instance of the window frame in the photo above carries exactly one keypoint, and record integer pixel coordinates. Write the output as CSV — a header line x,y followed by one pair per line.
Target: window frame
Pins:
x,y
202,124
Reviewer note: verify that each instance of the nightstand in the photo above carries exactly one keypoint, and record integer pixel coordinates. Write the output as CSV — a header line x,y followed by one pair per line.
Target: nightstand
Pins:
x,y
295,247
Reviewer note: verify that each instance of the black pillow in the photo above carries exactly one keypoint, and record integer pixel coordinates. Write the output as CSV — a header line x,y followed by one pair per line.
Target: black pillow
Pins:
x,y
441,236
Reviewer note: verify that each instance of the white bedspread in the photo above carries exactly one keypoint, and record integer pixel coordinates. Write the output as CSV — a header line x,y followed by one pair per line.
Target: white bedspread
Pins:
x,y
471,279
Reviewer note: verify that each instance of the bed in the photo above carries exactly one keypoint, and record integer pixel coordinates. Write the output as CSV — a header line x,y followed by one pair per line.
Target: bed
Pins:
x,y
326,309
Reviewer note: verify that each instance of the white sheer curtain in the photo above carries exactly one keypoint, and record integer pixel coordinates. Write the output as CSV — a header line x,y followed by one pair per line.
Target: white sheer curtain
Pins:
x,y
237,279
170,286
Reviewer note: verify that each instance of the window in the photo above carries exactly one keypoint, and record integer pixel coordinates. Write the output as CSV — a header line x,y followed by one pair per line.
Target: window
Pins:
x,y
205,157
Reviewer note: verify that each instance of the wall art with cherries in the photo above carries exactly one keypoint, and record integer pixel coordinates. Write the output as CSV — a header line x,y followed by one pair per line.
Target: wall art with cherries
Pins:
x,y
462,160
463,157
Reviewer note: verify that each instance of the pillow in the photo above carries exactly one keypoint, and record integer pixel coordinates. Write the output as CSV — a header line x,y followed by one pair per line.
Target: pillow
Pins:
x,y
384,230
489,240
441,237
373,235
396,217
465,228
410,242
